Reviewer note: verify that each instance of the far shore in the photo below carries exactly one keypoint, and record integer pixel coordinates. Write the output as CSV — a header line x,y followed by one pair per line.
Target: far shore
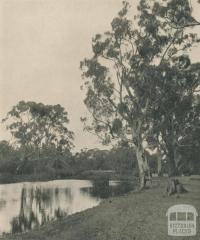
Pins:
x,y
87,175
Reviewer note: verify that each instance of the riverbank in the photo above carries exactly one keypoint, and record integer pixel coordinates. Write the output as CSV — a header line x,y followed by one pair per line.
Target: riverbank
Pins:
x,y
135,216
12,178
87,175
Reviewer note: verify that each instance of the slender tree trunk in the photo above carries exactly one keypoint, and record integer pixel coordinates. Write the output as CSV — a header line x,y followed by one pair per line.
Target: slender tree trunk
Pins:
x,y
159,163
169,139
171,147
172,170
143,166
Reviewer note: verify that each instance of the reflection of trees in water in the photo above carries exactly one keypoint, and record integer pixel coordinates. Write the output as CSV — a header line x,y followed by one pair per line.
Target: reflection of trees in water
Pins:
x,y
38,206
123,187
102,189
22,223
60,213
27,218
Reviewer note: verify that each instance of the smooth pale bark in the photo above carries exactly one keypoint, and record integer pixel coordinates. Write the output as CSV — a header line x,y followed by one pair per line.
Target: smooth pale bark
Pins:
x,y
159,163
143,166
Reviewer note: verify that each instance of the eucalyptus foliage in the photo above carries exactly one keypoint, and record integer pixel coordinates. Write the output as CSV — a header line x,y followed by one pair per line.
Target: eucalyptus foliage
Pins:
x,y
140,82
36,125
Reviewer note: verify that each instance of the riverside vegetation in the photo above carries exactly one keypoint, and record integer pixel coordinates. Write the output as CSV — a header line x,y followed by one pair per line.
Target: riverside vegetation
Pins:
x,y
142,94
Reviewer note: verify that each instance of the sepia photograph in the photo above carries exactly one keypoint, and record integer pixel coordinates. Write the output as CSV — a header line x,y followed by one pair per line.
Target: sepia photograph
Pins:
x,y
99,119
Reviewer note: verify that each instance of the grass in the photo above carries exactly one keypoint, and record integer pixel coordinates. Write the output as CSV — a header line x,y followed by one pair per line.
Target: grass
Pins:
x,y
135,216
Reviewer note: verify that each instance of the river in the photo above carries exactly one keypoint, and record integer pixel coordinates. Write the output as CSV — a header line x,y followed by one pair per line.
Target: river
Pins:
x,y
27,205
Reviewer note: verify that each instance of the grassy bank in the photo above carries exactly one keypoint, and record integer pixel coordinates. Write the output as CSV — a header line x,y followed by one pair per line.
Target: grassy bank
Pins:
x,y
135,216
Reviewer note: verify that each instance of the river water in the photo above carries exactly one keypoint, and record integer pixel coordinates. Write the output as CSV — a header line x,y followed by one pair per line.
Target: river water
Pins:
x,y
24,206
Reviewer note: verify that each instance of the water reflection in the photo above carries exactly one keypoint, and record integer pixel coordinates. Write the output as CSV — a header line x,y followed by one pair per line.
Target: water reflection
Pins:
x,y
103,189
24,206
37,207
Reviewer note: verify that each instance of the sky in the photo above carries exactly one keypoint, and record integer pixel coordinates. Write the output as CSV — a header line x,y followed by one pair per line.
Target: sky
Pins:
x,y
42,43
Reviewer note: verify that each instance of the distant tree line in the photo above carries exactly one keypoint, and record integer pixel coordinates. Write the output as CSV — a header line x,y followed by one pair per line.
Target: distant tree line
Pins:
x,y
51,163
120,159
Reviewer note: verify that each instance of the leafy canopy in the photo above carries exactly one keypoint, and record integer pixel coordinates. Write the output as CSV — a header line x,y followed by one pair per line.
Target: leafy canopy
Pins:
x,y
36,125
139,67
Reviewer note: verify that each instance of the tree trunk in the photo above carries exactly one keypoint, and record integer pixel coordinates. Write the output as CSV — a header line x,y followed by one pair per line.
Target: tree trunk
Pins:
x,y
159,163
174,186
143,166
172,170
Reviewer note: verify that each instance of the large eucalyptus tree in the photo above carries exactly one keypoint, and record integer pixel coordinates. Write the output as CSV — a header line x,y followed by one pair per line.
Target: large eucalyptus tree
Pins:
x,y
135,65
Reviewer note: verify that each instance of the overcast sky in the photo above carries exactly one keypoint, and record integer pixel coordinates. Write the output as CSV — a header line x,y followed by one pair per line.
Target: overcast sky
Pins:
x,y
41,45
